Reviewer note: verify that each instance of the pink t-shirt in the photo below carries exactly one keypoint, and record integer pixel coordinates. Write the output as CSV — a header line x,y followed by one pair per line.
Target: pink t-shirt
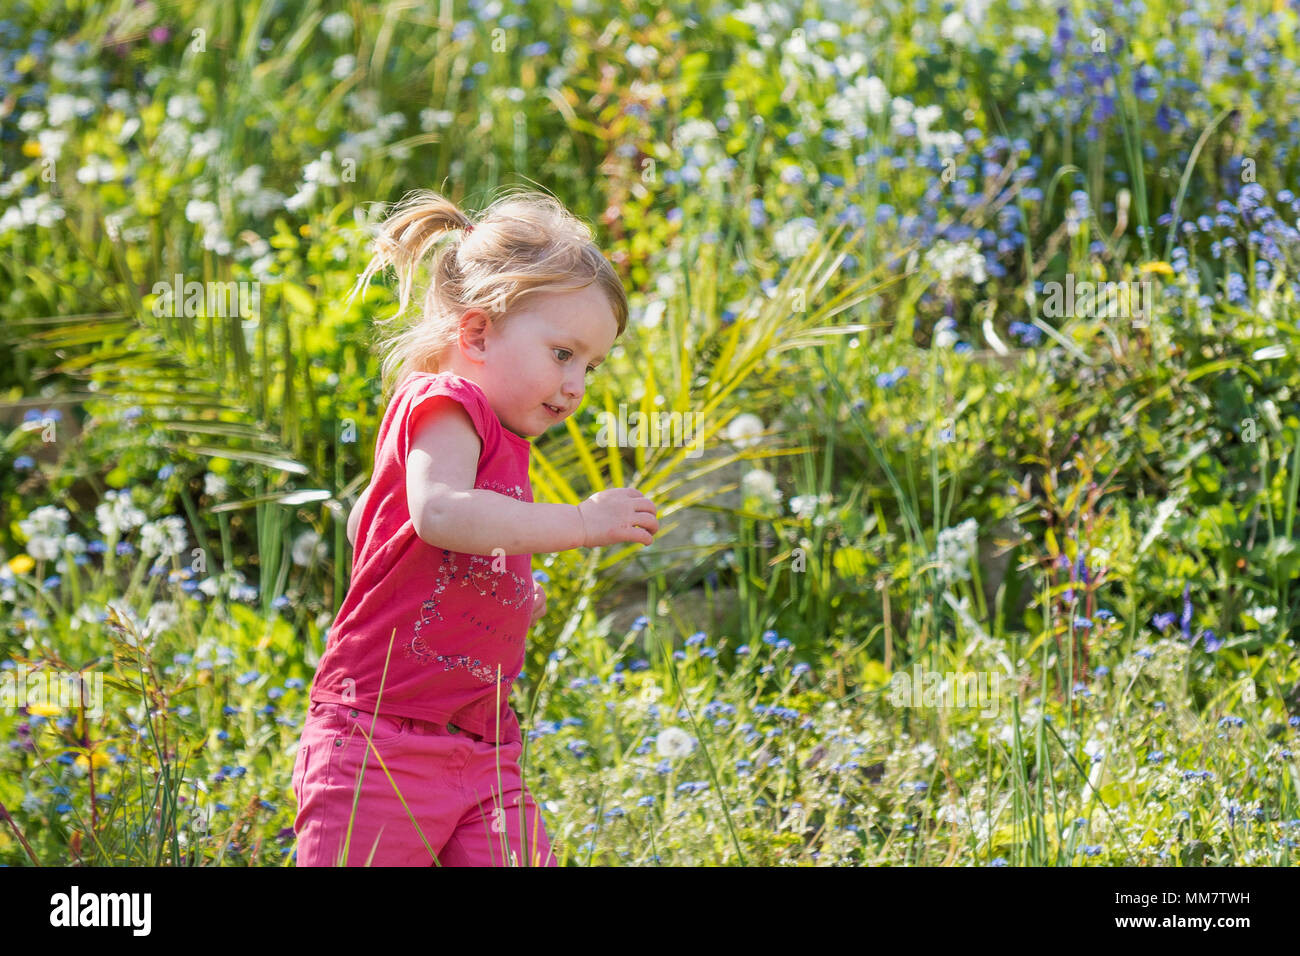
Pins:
x,y
460,619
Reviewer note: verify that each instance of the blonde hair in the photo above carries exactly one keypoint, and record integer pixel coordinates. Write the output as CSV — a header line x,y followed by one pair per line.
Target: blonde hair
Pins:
x,y
525,243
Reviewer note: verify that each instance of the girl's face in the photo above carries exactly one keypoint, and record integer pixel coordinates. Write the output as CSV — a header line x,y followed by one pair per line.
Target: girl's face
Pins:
x,y
540,356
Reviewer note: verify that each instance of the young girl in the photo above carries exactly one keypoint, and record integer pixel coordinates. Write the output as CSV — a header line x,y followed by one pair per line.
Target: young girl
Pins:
x,y
410,751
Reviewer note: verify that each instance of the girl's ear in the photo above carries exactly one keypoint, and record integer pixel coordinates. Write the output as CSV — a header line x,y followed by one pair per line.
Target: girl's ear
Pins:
x,y
474,331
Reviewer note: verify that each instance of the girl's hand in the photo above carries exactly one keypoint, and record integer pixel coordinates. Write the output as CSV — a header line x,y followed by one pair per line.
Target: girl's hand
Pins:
x,y
539,603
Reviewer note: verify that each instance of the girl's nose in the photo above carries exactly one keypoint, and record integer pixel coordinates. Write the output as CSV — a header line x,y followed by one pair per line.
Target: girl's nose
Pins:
x,y
573,387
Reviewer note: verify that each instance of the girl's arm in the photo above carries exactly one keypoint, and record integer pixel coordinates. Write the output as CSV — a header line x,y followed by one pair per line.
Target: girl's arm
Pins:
x,y
354,519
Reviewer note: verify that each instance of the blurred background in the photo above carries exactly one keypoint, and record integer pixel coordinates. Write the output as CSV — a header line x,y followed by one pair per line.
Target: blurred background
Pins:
x,y
988,312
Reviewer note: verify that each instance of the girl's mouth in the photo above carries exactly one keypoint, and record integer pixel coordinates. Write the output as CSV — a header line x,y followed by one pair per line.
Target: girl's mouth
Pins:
x,y
553,410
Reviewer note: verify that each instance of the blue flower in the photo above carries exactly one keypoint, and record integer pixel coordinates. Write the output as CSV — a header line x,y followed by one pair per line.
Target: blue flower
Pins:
x,y
1236,288
1161,622
1187,613
1028,334
697,638
1212,643
800,668
999,861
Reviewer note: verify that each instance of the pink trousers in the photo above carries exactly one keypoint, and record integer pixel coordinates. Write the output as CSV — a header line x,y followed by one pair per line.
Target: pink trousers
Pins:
x,y
429,795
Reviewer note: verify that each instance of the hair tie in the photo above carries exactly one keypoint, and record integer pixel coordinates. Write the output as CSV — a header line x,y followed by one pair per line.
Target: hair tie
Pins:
x,y
469,229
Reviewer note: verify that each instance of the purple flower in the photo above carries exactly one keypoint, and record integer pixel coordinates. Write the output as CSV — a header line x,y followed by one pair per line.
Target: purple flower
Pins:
x,y
1187,613
1212,643
1161,622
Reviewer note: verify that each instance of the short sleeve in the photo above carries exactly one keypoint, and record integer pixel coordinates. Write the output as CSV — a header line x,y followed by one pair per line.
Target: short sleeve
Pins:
x,y
420,406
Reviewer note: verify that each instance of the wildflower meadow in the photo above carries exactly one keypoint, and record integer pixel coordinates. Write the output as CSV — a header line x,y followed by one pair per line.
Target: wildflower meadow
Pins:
x,y
984,316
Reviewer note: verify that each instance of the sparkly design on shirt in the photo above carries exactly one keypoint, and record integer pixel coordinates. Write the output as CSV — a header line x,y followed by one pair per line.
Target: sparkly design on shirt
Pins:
x,y
475,666
515,491
488,584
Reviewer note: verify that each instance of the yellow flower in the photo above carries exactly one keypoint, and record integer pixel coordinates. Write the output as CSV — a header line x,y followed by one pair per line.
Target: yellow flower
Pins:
x,y
31,148
21,564
1163,268
100,760
44,710
304,230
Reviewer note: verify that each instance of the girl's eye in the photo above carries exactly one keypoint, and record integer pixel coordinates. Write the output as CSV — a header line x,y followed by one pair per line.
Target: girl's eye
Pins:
x,y
567,354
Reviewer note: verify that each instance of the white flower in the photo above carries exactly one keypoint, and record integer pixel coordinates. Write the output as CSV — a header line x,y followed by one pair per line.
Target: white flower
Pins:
x,y
639,56
975,10
185,106
956,547
63,107
1263,615
202,212
96,170
956,260
214,486
956,30
693,132
233,584
706,536
761,484
45,528
308,548
73,544
793,238
343,66
867,94
431,119
742,429
161,617
52,141
925,750
804,505
117,514
1031,37
39,210
165,537
950,813
673,742
337,26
